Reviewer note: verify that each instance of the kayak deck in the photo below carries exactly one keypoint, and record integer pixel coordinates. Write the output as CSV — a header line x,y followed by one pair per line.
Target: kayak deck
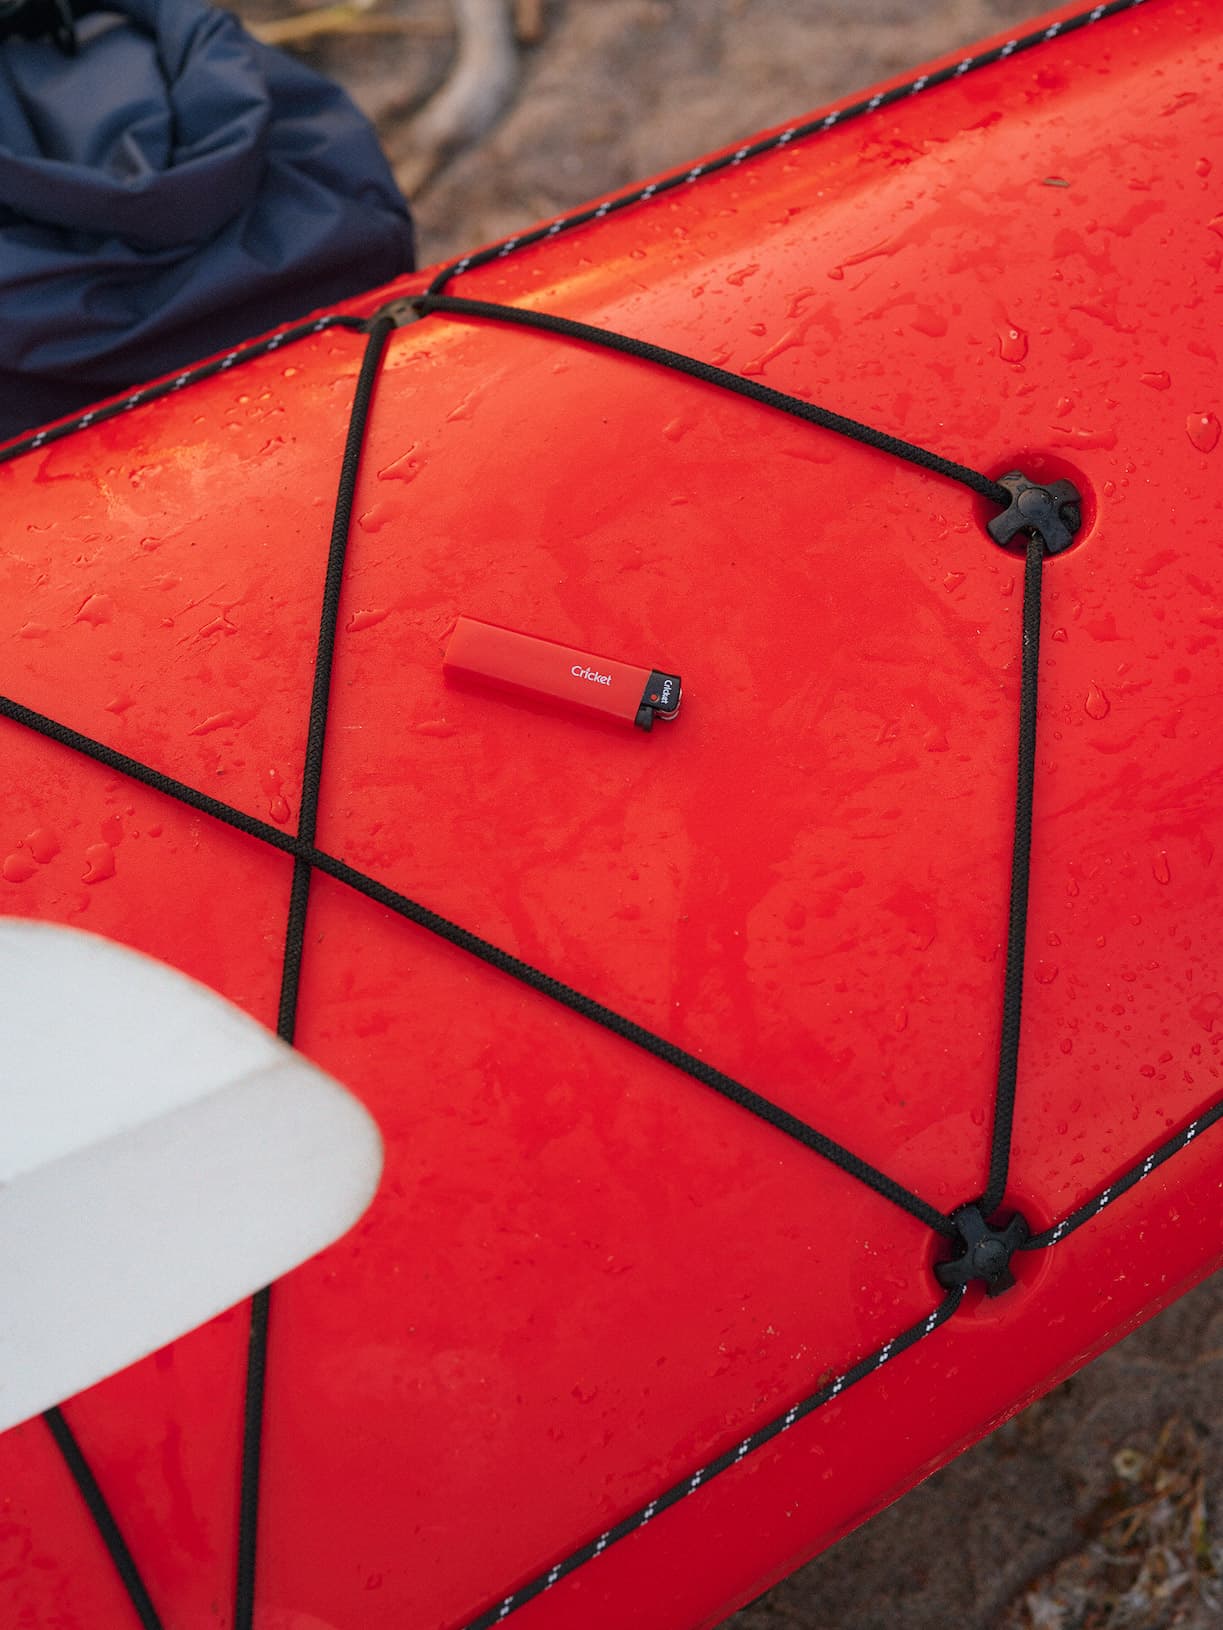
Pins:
x,y
585,1275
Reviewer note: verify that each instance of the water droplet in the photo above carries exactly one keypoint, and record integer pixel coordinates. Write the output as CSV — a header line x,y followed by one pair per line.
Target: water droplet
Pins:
x,y
404,468
373,520
1105,313
18,866
1159,381
218,721
677,429
435,727
99,863
1045,972
935,739
218,625
739,278
930,322
1203,431
1066,1044
1207,1009
278,806
978,1116
1012,345
953,580
1083,438
792,339
121,703
1160,869
1096,705
901,1019
1065,405
1060,635
365,619
42,844
886,246
1052,938
33,631
112,829
1217,225
99,609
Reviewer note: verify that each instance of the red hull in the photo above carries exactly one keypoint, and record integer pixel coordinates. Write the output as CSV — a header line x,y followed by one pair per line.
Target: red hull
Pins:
x,y
585,1275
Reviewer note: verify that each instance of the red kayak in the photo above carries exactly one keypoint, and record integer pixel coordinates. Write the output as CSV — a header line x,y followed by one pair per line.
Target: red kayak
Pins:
x,y
741,1167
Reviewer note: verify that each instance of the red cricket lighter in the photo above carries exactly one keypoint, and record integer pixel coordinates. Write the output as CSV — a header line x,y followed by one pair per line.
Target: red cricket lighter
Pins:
x,y
536,667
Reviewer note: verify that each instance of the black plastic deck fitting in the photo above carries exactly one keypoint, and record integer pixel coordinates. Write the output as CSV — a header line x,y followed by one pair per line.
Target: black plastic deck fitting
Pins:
x,y
1054,510
984,1251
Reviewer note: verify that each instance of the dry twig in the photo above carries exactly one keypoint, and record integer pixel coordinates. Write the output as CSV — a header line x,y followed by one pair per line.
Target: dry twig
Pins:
x,y
479,88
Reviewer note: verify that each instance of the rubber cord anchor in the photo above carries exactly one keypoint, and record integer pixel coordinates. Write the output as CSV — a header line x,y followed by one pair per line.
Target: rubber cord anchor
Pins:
x,y
985,1252
401,312
1054,510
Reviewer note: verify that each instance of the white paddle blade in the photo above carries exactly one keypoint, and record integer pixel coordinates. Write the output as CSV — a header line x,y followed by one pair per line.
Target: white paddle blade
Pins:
x,y
162,1156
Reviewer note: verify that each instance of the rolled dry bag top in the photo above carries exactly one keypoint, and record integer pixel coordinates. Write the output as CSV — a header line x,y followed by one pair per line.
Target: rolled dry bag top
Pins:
x,y
172,188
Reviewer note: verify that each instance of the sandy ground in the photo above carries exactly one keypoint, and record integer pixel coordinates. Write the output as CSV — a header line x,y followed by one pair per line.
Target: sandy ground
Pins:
x,y
1095,1509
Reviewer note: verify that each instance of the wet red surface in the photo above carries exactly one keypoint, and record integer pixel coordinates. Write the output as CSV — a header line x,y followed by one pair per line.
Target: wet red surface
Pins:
x,y
585,1275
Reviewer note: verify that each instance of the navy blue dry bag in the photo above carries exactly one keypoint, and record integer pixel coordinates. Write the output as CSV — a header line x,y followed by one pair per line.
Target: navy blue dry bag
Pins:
x,y
169,188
